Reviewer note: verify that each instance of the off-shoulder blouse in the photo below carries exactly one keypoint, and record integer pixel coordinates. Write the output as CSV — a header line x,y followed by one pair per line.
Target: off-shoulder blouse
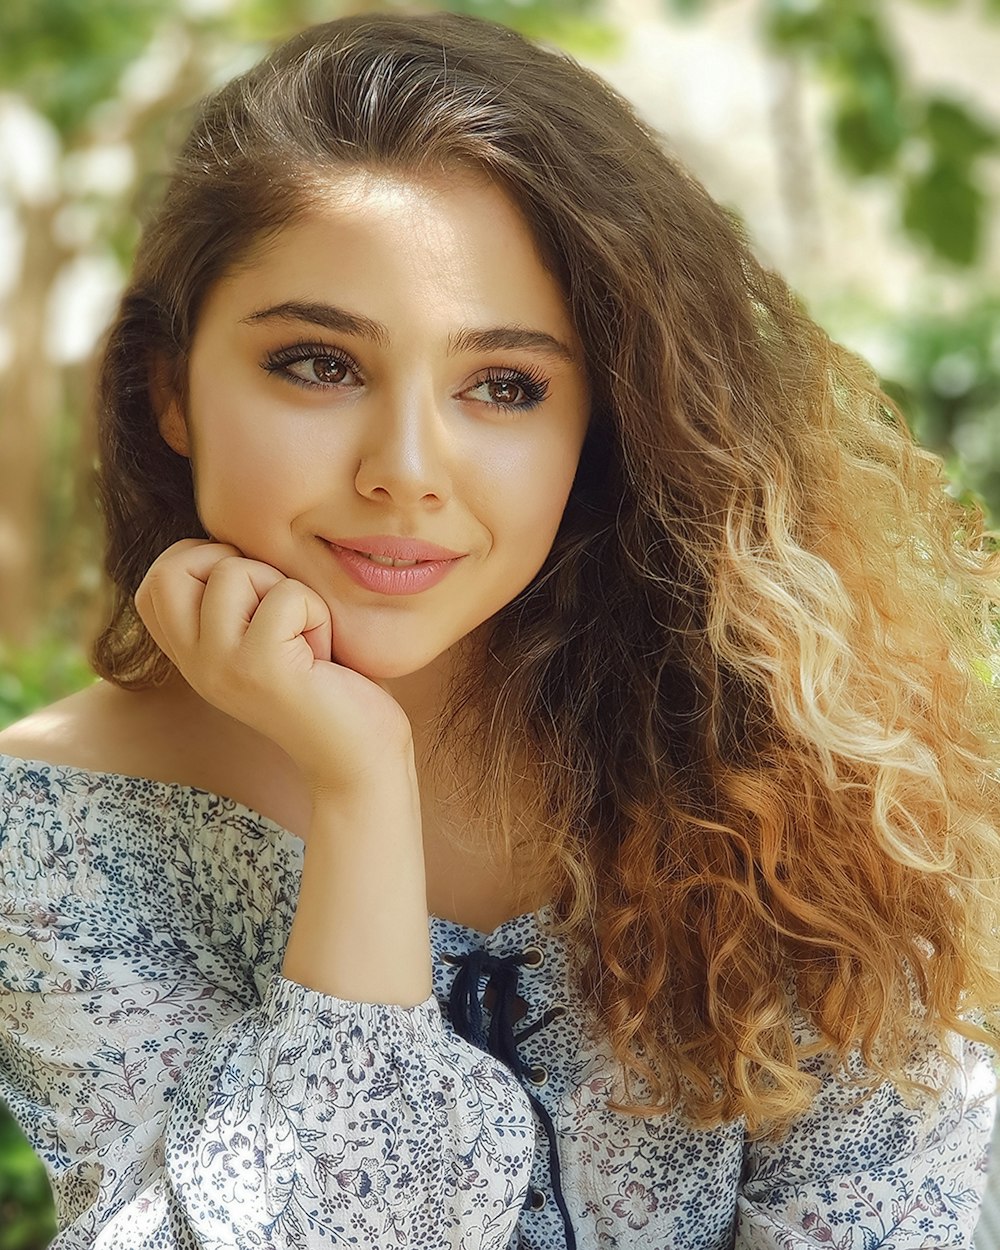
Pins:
x,y
183,1093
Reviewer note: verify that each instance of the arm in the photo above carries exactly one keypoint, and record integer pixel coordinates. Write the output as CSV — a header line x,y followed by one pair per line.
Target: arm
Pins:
x,y
361,926
877,1173
260,647
341,1107
149,1089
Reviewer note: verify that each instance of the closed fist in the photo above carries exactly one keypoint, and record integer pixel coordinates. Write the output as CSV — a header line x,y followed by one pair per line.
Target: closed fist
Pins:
x,y
257,645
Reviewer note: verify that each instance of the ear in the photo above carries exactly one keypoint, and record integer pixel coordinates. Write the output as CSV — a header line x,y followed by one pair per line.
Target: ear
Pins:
x,y
173,428
169,412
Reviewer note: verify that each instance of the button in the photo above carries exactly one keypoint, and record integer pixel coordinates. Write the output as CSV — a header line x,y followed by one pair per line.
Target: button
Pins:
x,y
537,1200
532,957
538,1076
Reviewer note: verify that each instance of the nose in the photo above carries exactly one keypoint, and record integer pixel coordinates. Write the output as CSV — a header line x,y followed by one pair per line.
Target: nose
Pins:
x,y
404,451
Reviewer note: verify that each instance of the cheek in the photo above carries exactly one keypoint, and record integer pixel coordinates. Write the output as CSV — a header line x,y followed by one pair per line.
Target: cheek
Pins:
x,y
242,474
536,499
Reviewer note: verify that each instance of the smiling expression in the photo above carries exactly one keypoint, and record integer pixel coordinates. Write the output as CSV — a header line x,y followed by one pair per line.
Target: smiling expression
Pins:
x,y
398,361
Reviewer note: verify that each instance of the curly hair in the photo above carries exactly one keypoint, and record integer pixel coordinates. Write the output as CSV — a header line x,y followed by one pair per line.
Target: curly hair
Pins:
x,y
753,681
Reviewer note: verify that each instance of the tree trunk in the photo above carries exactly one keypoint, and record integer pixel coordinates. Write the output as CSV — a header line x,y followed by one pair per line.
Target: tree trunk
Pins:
x,y
29,401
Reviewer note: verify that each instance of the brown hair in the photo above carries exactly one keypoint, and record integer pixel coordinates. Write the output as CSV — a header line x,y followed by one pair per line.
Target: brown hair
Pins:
x,y
752,681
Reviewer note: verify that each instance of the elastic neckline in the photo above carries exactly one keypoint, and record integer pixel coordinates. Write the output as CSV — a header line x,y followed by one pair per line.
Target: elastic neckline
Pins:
x,y
165,788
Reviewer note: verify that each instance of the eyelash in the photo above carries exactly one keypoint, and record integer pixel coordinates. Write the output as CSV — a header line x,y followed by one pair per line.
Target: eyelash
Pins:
x,y
534,384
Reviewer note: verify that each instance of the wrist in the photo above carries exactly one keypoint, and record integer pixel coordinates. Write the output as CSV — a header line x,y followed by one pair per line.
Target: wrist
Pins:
x,y
361,927
392,771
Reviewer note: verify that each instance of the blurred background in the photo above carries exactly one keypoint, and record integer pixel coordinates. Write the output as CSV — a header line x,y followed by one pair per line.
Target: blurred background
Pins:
x,y
858,140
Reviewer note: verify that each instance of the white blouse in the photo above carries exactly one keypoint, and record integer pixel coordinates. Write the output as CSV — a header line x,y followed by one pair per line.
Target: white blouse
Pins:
x,y
183,1094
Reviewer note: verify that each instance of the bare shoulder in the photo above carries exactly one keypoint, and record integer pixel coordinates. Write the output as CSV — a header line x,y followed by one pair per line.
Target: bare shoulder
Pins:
x,y
166,734
65,732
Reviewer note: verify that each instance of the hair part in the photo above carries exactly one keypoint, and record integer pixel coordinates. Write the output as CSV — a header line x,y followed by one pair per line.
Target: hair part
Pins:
x,y
745,691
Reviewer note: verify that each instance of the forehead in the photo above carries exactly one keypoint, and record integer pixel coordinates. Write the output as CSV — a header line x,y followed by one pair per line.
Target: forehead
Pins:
x,y
455,244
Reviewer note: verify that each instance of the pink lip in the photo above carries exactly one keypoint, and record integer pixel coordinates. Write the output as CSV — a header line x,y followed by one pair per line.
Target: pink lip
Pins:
x,y
385,580
397,547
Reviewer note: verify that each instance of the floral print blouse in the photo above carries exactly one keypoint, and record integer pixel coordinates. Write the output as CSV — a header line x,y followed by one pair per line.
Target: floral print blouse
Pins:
x,y
183,1094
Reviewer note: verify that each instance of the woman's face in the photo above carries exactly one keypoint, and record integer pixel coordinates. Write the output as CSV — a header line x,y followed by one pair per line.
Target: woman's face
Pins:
x,y
362,376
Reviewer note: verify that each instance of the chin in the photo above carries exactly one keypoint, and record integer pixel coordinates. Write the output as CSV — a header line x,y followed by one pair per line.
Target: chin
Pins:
x,y
382,663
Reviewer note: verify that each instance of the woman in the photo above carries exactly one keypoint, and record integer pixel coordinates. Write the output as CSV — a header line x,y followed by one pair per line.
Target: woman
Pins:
x,y
542,788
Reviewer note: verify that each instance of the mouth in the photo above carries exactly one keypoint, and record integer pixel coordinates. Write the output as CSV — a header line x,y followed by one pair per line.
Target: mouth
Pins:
x,y
391,577
407,551
387,561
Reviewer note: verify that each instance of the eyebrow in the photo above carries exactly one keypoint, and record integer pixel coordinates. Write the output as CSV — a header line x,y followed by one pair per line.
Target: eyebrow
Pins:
x,y
497,338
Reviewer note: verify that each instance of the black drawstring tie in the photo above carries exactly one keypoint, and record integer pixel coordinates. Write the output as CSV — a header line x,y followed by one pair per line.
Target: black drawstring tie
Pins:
x,y
466,1011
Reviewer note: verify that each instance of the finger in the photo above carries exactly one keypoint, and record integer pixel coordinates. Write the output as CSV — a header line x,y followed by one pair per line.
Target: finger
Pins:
x,y
174,598
320,639
292,619
189,544
233,593
174,585
147,614
196,556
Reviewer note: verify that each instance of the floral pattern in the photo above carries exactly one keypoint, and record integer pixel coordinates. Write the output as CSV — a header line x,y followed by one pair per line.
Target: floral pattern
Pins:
x,y
184,1095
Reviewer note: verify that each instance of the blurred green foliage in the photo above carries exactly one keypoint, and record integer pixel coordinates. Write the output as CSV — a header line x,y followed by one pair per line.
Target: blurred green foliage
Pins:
x,y
930,148
32,677
64,55
27,1221
68,56
947,380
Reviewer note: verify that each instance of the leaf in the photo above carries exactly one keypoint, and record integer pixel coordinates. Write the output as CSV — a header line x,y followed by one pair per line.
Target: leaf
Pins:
x,y
686,8
215,1148
867,139
290,1055
790,25
945,208
956,133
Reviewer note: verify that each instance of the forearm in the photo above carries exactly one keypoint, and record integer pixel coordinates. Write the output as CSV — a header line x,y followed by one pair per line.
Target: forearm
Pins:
x,y
360,930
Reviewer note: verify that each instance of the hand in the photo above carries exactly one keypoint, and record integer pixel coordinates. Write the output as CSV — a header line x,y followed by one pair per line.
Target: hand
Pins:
x,y
257,645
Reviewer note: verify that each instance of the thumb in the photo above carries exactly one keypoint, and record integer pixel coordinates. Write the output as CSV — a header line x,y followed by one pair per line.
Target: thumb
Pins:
x,y
320,639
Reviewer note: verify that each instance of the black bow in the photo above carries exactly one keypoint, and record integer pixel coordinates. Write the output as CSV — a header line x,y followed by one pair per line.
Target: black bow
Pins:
x,y
465,1008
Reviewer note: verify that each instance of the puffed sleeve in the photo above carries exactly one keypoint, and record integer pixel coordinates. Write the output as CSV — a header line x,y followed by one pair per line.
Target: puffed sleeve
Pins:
x,y
864,1171
312,1120
182,1098
163,1110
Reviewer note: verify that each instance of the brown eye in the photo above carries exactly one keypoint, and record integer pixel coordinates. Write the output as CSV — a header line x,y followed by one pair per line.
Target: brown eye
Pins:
x,y
324,369
310,366
504,386
505,392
